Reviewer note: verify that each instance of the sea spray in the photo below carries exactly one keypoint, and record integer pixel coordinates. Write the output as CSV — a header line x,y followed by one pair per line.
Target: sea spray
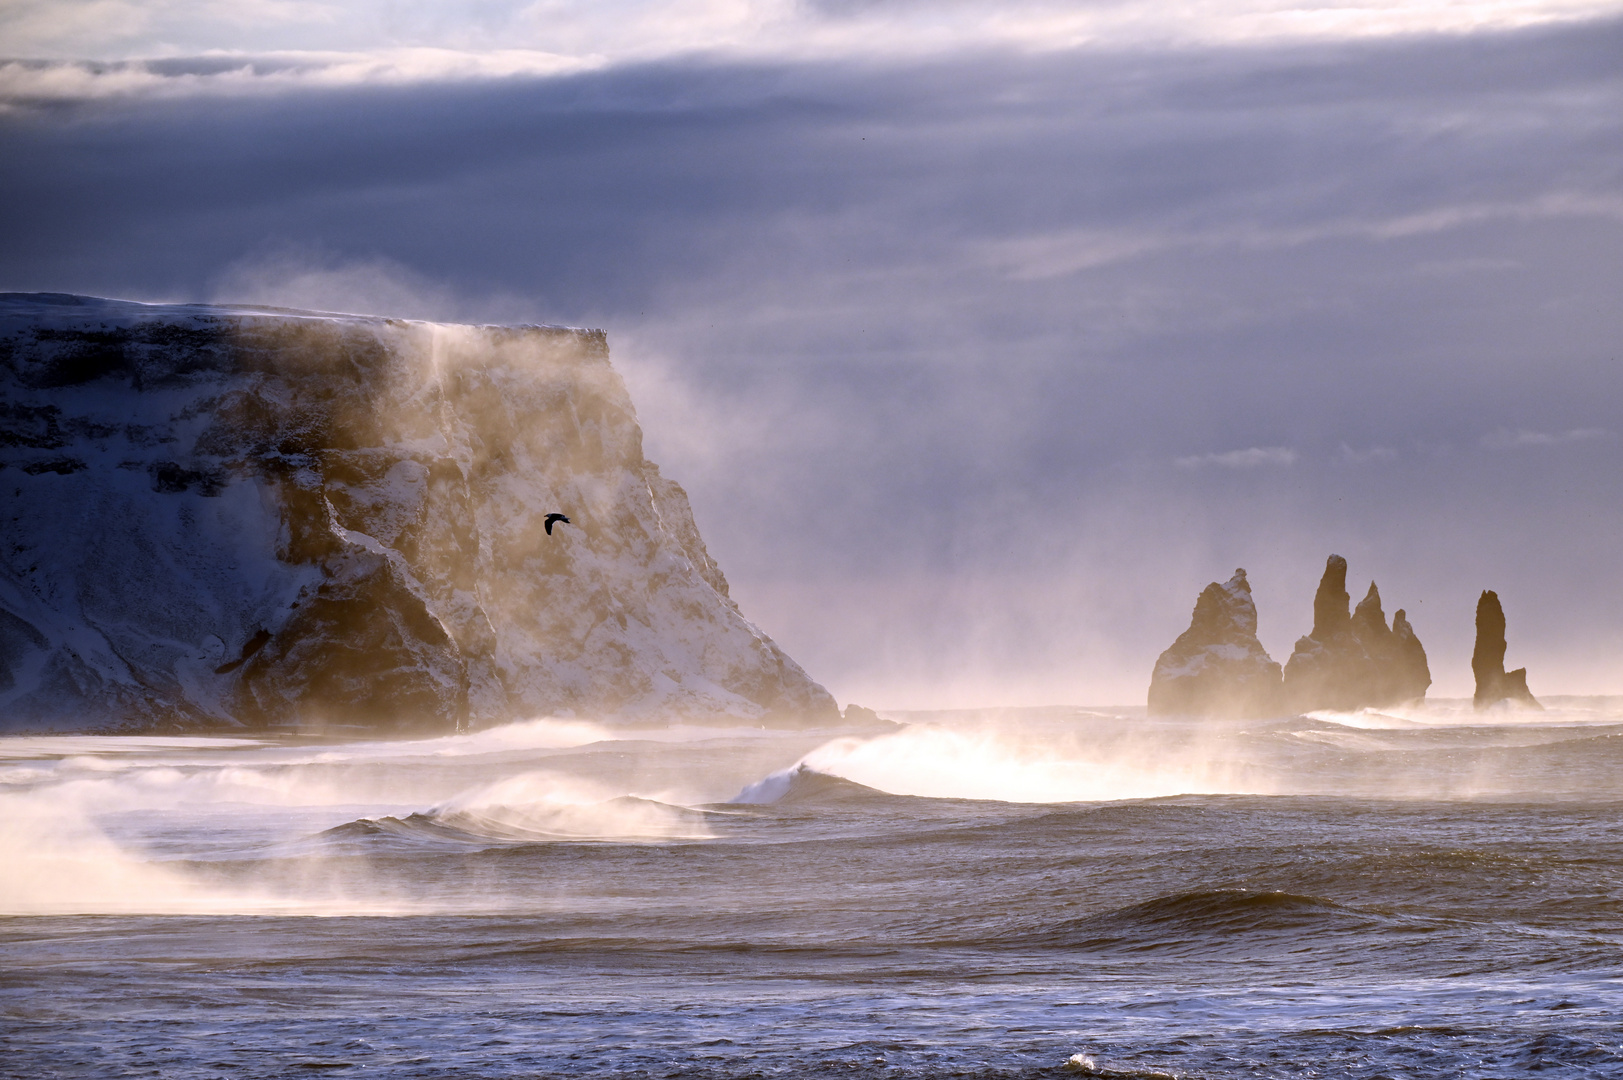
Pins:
x,y
549,806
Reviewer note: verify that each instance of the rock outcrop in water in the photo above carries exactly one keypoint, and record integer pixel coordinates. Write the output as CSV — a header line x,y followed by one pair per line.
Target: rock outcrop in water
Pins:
x,y
1217,667
236,516
1354,661
1493,683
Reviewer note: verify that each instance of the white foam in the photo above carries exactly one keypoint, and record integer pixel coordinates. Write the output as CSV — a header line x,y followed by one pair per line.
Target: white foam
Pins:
x,y
1010,761
89,824
59,861
1557,711
541,733
771,788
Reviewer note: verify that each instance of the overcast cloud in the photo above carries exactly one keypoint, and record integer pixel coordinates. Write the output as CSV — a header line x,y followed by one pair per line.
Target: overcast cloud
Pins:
x,y
978,363
391,40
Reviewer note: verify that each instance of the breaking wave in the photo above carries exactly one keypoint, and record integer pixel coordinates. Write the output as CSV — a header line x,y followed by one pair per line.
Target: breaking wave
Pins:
x,y
110,824
803,784
86,821
1021,763
543,806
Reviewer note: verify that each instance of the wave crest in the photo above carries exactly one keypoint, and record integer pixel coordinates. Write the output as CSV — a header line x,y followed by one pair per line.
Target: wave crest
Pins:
x,y
1212,921
544,806
802,784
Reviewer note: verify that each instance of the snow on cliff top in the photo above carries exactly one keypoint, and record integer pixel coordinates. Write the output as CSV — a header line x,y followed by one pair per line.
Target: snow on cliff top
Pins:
x,y
51,311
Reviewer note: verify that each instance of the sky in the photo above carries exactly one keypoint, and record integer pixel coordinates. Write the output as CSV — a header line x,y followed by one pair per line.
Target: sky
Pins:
x,y
982,336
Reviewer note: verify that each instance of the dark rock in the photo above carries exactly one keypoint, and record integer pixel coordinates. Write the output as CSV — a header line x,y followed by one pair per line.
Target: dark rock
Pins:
x,y
1354,661
1217,667
1415,673
19,642
172,479
38,427
59,466
260,639
1493,683
856,714
363,649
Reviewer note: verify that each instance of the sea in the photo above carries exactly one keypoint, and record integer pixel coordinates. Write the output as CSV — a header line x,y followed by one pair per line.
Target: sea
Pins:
x,y
1428,892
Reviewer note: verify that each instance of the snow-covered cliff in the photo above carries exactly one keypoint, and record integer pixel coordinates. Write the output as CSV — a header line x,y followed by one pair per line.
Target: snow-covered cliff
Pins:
x,y
218,516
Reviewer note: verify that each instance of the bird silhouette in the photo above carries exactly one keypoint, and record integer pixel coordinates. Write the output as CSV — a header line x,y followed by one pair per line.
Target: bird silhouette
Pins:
x,y
553,519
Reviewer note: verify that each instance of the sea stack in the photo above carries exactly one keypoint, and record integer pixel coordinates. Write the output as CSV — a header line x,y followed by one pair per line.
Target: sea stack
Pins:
x,y
1217,667
264,519
1493,683
1354,661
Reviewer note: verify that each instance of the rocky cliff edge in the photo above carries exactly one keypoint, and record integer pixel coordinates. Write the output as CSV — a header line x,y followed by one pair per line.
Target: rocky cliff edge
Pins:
x,y
247,517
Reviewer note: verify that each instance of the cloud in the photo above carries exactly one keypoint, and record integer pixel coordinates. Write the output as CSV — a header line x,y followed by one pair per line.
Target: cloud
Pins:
x,y
32,84
1035,257
1367,455
73,50
1506,439
1251,458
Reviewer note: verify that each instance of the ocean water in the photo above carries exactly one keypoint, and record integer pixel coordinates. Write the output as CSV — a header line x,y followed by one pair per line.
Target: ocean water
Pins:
x,y
1007,893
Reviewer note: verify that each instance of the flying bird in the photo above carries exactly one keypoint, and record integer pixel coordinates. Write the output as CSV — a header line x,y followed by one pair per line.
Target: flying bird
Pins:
x,y
553,519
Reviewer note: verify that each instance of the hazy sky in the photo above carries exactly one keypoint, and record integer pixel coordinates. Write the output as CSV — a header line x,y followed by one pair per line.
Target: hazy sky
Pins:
x,y
983,336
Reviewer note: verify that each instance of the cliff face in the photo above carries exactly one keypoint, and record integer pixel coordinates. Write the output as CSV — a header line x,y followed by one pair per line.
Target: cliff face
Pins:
x,y
1217,667
1493,683
261,517
1354,661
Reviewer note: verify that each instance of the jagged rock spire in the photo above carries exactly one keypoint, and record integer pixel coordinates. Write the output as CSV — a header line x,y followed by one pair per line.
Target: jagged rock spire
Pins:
x,y
1493,683
1354,661
1330,618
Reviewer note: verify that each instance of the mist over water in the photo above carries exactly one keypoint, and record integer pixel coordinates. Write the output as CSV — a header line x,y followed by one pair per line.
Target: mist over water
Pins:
x,y
1427,891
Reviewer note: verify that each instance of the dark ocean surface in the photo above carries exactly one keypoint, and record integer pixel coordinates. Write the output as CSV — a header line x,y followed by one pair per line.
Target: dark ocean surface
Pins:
x,y
1019,893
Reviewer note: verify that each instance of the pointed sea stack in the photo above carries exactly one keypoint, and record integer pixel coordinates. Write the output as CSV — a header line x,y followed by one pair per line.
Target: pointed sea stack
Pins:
x,y
1217,667
1354,661
1493,683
